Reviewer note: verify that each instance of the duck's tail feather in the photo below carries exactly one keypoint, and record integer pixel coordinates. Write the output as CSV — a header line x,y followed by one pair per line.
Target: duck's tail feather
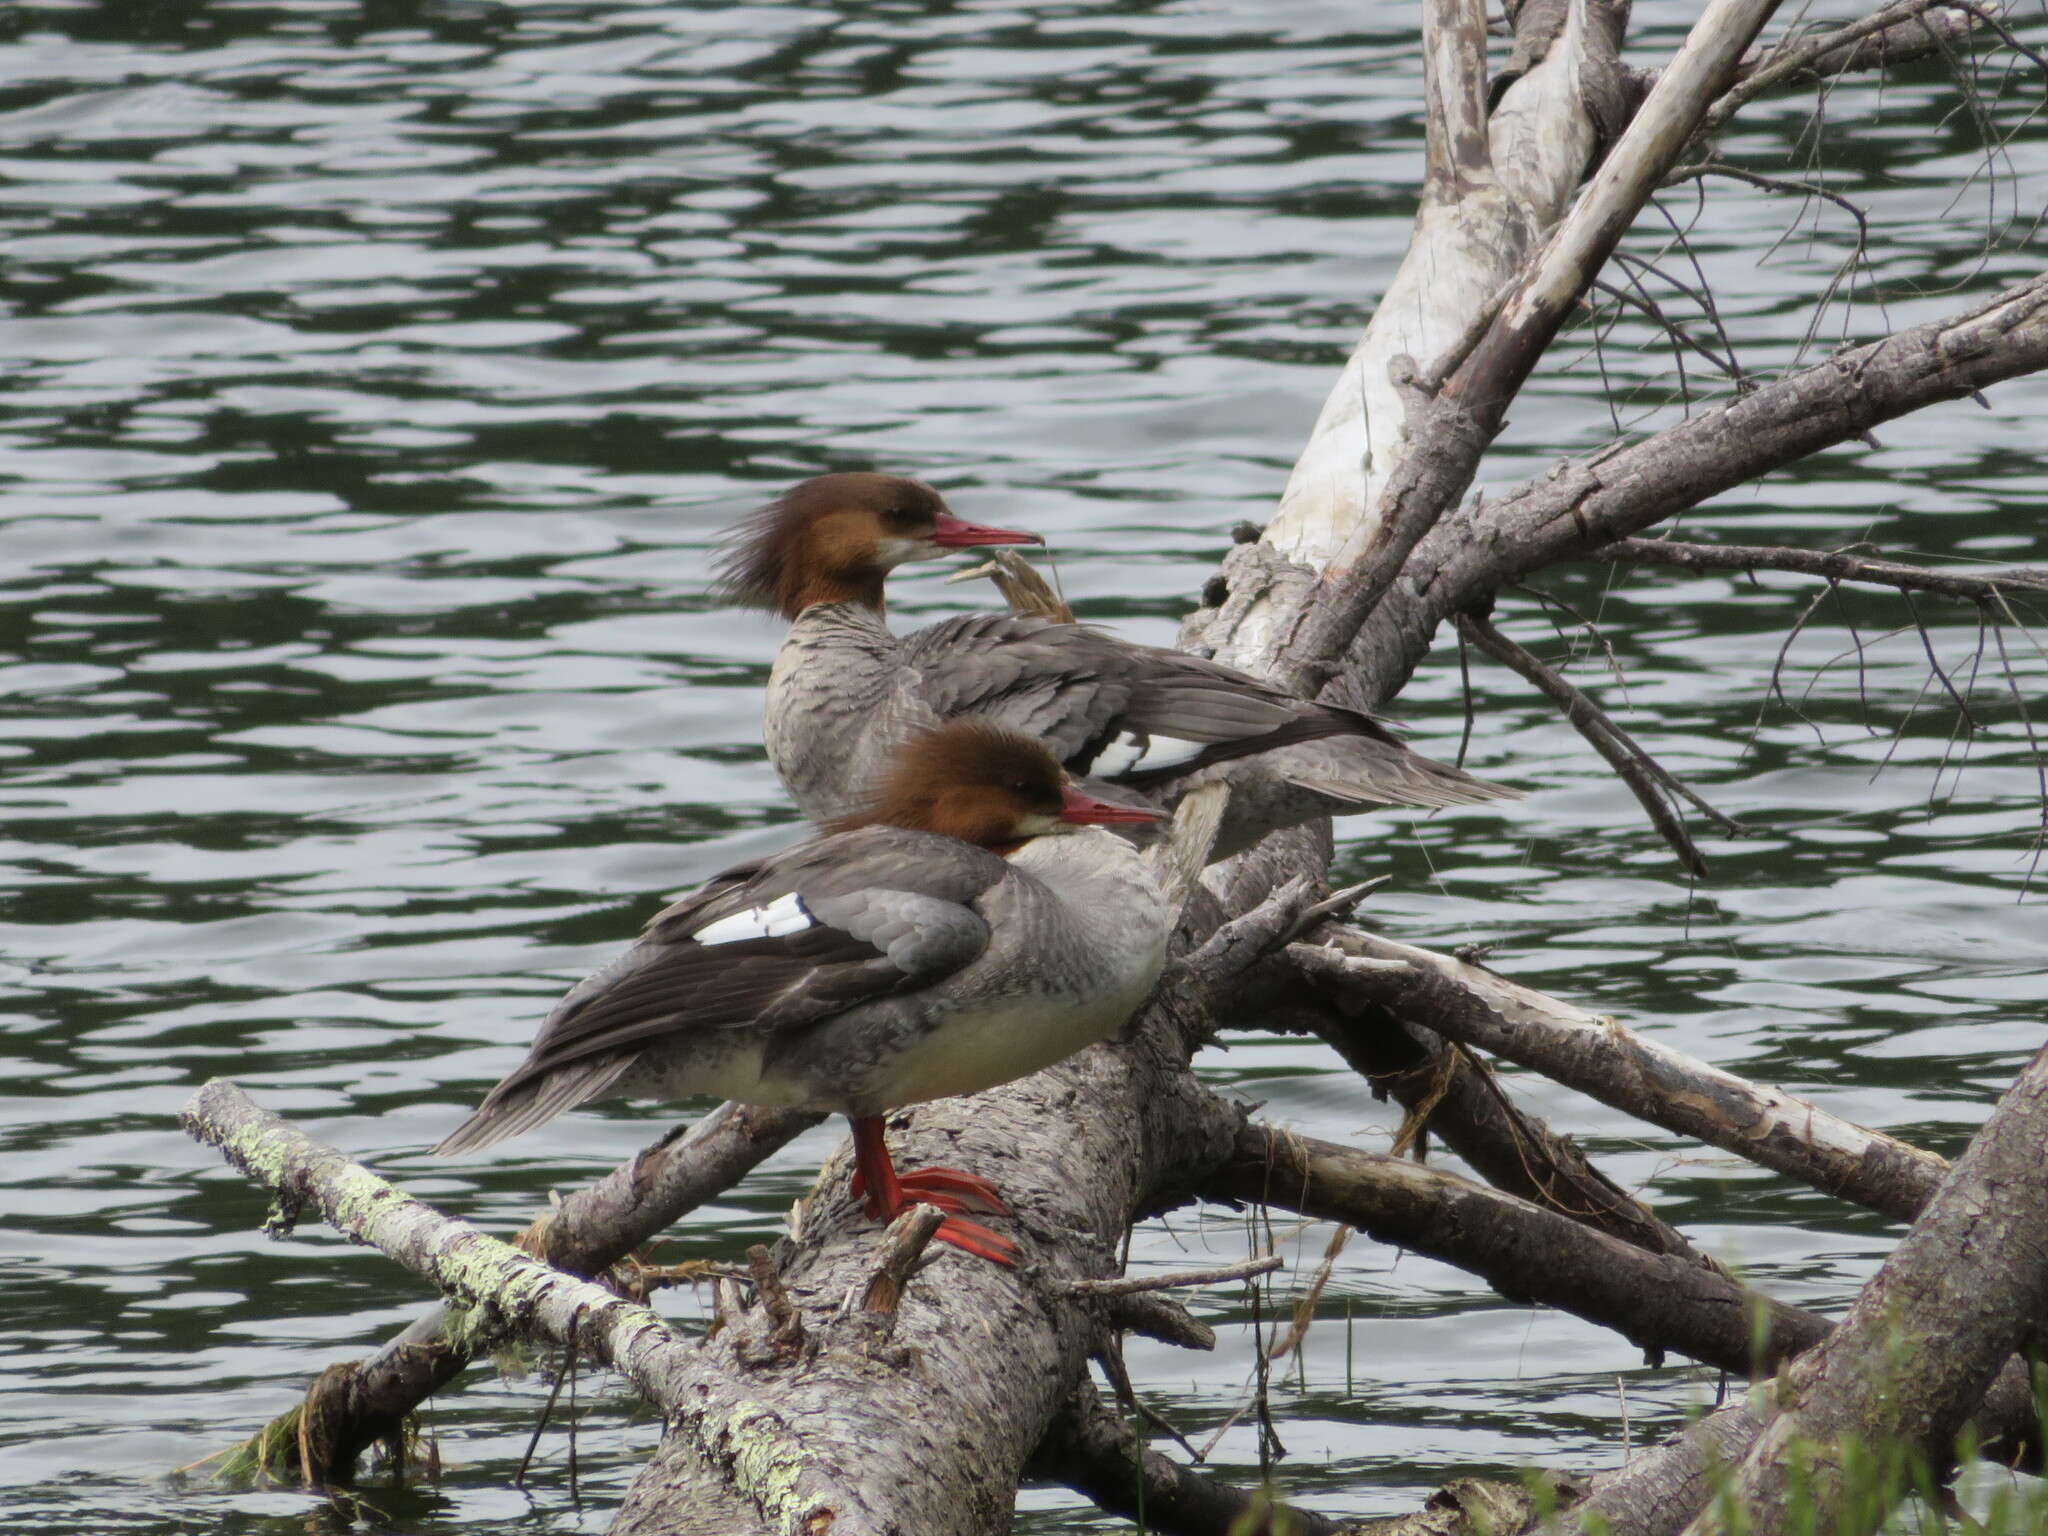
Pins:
x,y
518,1104
1363,772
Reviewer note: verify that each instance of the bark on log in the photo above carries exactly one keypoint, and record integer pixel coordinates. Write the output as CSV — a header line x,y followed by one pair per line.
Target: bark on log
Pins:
x,y
1897,1379
356,1403
935,1439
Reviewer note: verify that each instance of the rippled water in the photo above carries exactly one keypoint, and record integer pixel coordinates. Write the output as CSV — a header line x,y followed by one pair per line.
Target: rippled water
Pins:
x,y
375,376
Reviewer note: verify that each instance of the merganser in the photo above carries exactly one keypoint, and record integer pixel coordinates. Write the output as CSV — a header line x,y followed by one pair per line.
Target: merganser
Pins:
x,y
966,927
1136,722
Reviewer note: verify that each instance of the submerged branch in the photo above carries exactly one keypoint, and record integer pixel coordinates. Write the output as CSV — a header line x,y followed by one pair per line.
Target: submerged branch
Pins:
x,y
1094,1451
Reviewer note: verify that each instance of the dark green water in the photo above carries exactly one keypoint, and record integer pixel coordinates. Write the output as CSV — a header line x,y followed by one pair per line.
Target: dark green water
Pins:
x,y
374,377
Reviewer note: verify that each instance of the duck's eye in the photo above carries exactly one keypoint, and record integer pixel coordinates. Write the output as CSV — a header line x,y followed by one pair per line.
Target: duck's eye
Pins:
x,y
902,519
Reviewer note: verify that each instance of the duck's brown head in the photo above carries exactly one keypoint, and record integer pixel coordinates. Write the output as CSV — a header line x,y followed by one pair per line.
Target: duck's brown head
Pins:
x,y
984,783
834,539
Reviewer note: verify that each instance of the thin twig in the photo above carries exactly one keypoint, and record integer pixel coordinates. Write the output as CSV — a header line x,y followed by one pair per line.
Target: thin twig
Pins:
x,y
1124,1285
1648,780
2033,745
1305,1309
1786,61
1835,565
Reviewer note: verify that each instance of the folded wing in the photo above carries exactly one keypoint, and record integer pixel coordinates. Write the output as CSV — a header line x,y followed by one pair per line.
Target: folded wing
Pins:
x,y
772,949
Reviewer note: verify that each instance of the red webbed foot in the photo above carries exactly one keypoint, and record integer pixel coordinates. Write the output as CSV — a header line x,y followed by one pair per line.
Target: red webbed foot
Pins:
x,y
972,1237
947,1188
886,1194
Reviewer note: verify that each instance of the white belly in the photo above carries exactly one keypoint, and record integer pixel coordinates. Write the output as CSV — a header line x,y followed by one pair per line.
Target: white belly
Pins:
x,y
970,1053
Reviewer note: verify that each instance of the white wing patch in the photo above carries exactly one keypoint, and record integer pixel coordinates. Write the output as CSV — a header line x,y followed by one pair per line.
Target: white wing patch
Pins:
x,y
1132,753
783,915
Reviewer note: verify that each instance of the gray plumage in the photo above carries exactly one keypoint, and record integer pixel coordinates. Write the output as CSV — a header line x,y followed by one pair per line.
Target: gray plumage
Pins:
x,y
1138,719
859,971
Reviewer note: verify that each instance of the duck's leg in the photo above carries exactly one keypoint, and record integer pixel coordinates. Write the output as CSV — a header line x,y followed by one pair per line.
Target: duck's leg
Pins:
x,y
887,1194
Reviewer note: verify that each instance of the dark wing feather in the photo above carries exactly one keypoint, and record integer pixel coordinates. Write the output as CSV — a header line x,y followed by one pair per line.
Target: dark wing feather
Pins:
x,y
891,911
1083,692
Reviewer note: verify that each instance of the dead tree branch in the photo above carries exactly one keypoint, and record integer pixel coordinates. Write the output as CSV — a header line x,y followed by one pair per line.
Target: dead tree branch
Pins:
x,y
1894,34
356,1403
1585,504
1656,1301
1915,1355
1600,1057
1453,429
1971,1281
1830,564
1653,786
1453,1096
1093,1450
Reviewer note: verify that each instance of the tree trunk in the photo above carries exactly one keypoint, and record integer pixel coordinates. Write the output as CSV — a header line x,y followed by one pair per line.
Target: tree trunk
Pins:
x,y
1882,1399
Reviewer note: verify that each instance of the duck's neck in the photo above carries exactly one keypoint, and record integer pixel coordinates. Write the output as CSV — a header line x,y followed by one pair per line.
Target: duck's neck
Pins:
x,y
813,587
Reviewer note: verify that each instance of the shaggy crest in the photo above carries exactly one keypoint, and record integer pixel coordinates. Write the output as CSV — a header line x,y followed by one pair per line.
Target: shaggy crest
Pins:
x,y
815,542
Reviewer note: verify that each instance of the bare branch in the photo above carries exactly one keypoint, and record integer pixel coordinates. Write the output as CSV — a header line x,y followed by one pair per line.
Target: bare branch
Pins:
x,y
1894,34
1657,1301
1600,1057
1587,503
1450,432
1646,779
1452,1094
356,1403
1127,1285
1834,565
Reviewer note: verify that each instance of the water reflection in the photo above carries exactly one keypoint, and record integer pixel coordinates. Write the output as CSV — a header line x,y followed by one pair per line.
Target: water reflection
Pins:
x,y
376,376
